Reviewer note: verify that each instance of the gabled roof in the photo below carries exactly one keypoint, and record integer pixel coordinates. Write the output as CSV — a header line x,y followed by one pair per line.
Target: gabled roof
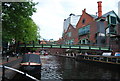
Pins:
x,y
70,25
89,15
106,14
94,16
110,12
75,21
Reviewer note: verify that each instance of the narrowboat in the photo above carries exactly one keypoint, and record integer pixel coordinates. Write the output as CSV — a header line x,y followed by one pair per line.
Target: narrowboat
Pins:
x,y
31,64
106,59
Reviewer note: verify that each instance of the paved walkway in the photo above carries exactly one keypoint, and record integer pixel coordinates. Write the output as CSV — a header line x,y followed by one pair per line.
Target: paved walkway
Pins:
x,y
11,62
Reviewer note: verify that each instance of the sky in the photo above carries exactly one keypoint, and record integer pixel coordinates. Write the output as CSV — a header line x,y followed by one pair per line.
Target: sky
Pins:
x,y
51,13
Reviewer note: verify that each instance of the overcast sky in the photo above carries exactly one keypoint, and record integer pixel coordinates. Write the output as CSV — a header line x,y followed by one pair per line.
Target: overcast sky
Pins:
x,y
51,13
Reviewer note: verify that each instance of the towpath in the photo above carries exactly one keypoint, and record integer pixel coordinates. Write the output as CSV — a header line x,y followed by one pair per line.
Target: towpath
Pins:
x,y
13,62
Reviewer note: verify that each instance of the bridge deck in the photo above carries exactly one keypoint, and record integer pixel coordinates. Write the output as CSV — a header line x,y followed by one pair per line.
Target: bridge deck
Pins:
x,y
82,47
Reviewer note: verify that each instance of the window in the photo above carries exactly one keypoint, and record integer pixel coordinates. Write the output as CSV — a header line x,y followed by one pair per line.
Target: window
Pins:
x,y
113,20
111,30
84,30
83,41
80,41
83,21
69,34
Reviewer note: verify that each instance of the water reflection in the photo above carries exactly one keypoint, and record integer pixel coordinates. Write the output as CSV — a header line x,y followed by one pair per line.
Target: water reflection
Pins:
x,y
66,68
55,68
50,68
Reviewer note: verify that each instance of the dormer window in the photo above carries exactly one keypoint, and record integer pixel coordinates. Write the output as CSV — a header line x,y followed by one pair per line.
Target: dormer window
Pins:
x,y
112,20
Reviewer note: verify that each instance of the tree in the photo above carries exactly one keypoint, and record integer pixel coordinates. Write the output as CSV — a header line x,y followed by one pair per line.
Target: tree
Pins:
x,y
17,23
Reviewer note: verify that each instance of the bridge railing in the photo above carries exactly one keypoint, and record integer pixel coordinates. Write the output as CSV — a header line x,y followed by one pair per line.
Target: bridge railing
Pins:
x,y
86,47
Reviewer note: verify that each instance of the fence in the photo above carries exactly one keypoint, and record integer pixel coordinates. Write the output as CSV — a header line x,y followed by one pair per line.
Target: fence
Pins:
x,y
23,73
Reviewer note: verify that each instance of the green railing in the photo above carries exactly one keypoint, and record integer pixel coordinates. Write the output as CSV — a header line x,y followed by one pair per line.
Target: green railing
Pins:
x,y
83,47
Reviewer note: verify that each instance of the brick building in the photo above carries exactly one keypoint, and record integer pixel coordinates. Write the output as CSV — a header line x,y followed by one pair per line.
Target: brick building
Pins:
x,y
101,30
83,27
70,36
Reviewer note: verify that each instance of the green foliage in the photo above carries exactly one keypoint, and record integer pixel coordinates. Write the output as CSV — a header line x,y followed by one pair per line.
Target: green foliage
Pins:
x,y
17,23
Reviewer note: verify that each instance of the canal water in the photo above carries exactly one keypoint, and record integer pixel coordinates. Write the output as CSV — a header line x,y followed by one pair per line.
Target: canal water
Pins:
x,y
56,68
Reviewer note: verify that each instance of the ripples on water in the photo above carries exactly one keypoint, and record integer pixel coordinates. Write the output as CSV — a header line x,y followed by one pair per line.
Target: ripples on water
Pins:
x,y
66,68
55,68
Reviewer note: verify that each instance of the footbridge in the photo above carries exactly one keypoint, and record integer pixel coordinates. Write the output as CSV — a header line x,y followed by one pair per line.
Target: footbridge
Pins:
x,y
81,47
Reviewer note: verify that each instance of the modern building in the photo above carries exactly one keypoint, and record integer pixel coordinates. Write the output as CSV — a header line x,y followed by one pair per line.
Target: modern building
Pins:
x,y
72,19
119,9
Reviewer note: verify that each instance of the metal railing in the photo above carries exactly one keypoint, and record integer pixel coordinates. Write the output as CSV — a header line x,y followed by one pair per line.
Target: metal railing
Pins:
x,y
85,47
16,70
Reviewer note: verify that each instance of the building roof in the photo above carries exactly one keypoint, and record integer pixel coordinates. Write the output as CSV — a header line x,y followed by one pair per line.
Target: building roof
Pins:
x,y
94,16
106,14
110,12
43,42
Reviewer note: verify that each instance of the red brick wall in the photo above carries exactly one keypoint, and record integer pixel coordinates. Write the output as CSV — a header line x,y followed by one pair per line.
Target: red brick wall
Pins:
x,y
118,29
93,30
87,18
74,34
56,51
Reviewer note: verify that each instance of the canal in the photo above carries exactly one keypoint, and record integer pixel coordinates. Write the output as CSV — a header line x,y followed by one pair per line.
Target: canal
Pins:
x,y
56,68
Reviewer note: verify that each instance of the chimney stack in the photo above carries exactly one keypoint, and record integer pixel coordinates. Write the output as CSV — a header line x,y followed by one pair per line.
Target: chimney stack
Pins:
x,y
99,8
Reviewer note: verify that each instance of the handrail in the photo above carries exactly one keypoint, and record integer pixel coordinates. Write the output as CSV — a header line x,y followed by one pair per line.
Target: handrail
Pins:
x,y
16,70
67,46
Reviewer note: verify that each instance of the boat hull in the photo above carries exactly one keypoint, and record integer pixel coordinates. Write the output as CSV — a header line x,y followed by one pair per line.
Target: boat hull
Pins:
x,y
31,64
30,68
34,71
99,63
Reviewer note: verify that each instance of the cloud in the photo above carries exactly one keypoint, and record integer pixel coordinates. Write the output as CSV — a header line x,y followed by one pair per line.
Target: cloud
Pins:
x,y
51,13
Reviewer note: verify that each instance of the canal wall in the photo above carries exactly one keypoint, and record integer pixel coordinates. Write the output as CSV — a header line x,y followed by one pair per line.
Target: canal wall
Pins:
x,y
95,62
73,57
67,55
